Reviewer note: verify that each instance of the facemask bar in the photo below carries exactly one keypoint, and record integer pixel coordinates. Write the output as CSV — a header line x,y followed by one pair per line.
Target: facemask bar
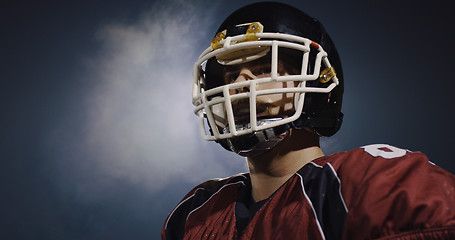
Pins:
x,y
215,109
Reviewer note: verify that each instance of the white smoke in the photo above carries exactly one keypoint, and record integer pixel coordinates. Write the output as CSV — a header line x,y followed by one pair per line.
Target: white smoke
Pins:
x,y
140,125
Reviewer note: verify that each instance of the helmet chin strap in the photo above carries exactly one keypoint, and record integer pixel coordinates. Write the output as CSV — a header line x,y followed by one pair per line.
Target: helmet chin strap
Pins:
x,y
257,143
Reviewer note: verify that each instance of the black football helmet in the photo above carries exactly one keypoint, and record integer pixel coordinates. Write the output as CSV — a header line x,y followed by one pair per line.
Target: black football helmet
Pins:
x,y
277,36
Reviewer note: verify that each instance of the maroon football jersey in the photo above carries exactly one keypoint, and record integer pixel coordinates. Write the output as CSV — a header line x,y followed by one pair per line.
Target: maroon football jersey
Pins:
x,y
374,192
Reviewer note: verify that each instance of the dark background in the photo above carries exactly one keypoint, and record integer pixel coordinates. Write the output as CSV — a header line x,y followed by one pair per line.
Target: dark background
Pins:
x,y
98,138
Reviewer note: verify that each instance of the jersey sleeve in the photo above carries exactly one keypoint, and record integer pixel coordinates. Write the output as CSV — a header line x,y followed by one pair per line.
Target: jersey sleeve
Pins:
x,y
174,225
393,193
176,221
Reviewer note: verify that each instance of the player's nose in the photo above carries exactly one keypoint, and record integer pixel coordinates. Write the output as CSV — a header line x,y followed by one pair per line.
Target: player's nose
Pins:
x,y
244,75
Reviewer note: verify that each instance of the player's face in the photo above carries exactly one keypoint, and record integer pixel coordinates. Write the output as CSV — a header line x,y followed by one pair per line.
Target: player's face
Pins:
x,y
267,106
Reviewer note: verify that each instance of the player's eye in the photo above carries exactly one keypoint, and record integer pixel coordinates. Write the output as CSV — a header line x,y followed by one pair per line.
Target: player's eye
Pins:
x,y
262,71
230,77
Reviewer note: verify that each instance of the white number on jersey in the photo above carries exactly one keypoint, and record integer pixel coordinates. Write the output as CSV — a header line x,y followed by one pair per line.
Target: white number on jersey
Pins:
x,y
384,150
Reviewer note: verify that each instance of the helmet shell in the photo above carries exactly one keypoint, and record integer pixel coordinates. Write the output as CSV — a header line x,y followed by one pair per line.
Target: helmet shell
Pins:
x,y
321,111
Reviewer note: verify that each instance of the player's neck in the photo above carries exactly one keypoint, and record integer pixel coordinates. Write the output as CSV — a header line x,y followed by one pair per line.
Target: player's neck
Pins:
x,y
271,170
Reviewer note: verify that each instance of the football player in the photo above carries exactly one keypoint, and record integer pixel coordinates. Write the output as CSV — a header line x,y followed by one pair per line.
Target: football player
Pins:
x,y
268,87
